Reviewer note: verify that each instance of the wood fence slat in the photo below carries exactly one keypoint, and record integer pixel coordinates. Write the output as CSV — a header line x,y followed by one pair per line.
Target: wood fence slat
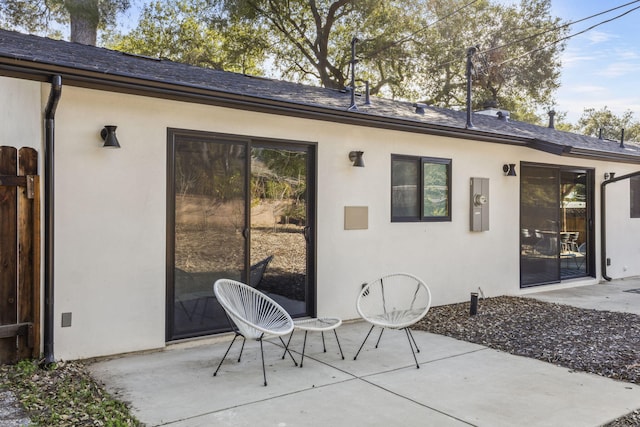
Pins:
x,y
28,255
13,180
8,252
36,297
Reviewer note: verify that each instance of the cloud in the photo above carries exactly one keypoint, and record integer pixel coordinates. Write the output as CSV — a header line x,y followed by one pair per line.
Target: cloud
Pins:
x,y
574,103
591,89
570,59
617,69
596,37
627,54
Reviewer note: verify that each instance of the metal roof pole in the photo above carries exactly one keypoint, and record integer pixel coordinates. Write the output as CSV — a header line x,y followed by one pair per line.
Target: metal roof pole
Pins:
x,y
470,52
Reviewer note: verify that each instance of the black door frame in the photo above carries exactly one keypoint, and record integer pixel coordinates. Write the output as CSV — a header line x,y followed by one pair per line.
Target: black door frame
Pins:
x,y
590,219
249,142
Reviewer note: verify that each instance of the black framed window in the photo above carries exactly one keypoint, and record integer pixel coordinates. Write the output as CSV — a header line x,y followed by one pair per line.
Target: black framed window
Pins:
x,y
634,183
420,189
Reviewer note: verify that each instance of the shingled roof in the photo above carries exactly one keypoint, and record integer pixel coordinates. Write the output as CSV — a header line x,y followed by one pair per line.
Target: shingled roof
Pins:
x,y
40,58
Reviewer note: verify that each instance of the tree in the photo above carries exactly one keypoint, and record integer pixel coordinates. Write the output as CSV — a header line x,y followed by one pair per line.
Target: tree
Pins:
x,y
592,121
562,124
84,16
192,32
310,40
516,67
415,49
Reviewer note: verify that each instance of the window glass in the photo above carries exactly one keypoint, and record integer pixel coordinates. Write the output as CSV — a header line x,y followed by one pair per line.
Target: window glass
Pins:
x,y
420,189
404,188
436,190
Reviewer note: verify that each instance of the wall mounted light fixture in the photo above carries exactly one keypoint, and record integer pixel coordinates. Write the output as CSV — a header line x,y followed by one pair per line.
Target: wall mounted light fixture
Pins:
x,y
108,134
609,175
356,158
509,169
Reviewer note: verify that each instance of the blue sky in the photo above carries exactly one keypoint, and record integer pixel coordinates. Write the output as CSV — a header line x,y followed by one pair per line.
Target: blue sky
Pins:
x,y
602,66
599,68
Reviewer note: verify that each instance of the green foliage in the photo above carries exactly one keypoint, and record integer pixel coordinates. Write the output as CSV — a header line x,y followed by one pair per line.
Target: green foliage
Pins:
x,y
593,120
561,122
37,16
408,49
511,69
192,32
310,40
435,189
63,394
416,49
279,174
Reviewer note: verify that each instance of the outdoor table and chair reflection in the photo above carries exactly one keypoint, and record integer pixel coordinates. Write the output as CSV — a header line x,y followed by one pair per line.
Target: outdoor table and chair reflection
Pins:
x,y
549,244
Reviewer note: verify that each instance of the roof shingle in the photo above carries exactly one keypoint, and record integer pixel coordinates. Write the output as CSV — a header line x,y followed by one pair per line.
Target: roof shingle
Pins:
x,y
32,52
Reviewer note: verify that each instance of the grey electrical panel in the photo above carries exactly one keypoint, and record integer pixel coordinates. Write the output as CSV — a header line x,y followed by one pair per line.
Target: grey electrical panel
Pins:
x,y
479,204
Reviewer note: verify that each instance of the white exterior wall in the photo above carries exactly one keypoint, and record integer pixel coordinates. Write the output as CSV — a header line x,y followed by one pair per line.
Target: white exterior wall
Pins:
x,y
110,237
20,113
622,232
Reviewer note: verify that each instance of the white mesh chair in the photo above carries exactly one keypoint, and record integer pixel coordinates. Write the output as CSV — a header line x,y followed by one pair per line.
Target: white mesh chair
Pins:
x,y
395,301
253,315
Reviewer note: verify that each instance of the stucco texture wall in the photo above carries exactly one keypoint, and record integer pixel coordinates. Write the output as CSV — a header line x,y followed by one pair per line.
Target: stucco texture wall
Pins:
x,y
622,232
20,113
111,215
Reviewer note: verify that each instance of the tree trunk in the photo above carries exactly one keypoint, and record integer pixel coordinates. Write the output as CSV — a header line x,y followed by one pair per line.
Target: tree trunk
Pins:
x,y
84,16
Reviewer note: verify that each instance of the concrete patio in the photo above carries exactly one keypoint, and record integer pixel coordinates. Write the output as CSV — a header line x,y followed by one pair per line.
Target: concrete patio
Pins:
x,y
458,383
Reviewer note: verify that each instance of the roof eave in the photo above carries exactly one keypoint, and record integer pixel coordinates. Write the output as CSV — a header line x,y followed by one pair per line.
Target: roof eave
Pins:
x,y
14,67
133,85
603,155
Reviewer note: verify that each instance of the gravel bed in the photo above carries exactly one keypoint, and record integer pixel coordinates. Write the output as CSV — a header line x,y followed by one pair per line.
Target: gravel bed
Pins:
x,y
599,342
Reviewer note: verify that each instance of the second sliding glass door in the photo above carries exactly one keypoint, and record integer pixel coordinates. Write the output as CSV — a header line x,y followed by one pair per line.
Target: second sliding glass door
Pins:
x,y
555,223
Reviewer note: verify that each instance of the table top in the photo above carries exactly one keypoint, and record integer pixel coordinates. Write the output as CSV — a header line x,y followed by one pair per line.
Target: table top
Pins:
x,y
319,324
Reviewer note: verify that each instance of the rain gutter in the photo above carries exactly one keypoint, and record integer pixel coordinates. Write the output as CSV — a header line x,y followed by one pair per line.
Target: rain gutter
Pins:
x,y
49,138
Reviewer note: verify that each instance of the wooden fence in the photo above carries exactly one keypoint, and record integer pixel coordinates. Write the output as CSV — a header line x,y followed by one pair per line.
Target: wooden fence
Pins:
x,y
19,254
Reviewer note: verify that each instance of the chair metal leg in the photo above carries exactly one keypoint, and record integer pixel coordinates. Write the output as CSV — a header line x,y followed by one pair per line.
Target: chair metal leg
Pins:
x,y
365,340
225,354
286,349
244,340
338,341
264,372
324,347
406,330
304,345
413,339
378,343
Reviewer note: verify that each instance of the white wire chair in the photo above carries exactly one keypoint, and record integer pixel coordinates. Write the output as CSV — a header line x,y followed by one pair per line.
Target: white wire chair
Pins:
x,y
253,315
395,301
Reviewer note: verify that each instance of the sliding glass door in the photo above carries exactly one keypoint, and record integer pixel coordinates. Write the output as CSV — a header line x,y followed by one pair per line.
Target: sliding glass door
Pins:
x,y
209,229
555,224
280,226
240,209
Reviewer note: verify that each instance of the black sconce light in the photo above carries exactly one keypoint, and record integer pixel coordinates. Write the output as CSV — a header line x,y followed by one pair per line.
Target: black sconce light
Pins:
x,y
509,169
356,158
609,175
108,134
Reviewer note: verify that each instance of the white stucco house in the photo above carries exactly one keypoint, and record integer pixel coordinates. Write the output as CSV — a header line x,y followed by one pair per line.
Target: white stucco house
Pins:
x,y
217,172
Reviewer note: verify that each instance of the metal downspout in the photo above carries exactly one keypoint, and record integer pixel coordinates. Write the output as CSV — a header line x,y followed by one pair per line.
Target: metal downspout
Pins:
x,y
603,222
49,138
603,230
